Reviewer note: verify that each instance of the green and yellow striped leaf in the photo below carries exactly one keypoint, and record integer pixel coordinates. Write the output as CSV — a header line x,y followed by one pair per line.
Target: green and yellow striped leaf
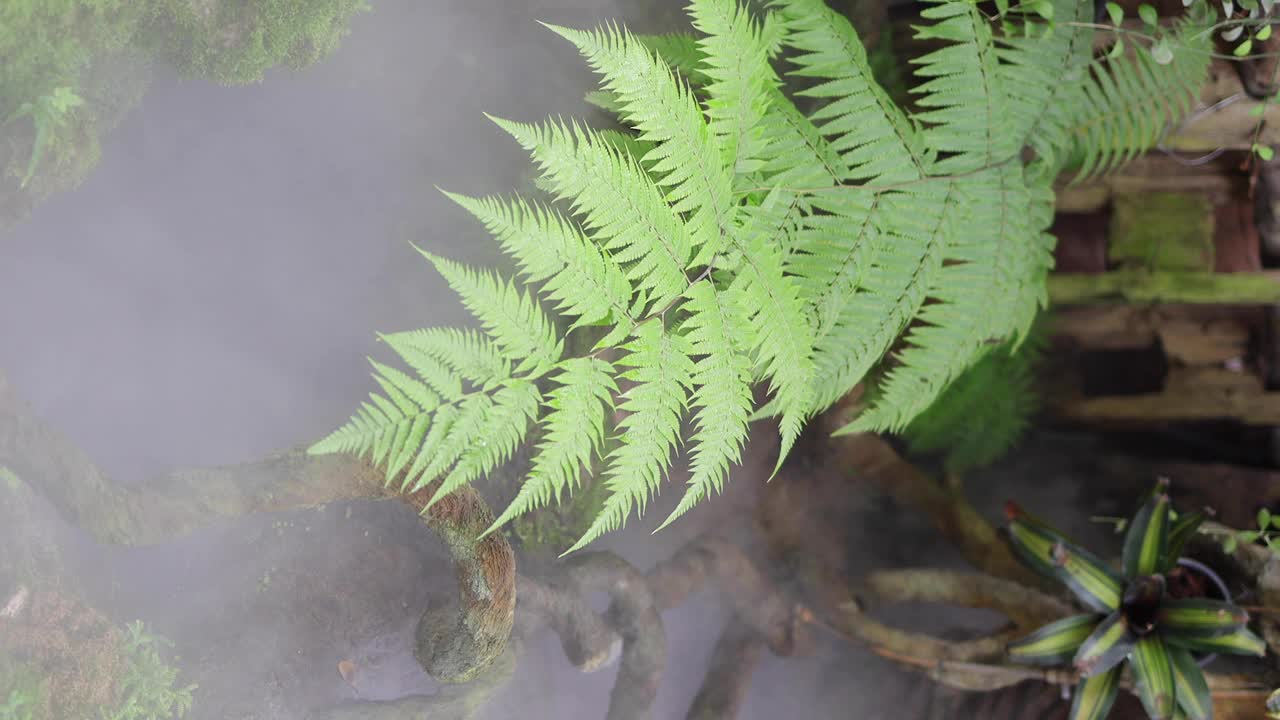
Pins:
x,y
1146,543
1180,531
1097,586
1240,642
1106,646
1055,643
1200,617
1191,689
1153,677
1095,696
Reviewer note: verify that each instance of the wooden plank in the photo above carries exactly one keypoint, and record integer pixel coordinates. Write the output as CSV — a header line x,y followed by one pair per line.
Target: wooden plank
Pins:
x,y
1139,286
1250,408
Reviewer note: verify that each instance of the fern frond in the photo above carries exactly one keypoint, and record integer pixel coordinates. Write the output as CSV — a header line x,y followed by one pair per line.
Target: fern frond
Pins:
x,y
963,96
736,63
686,157
505,424
574,432
1127,102
721,395
583,281
992,260
438,376
681,51
1039,74
915,226
732,239
795,153
876,141
442,356
621,206
658,361
514,319
833,249
467,425
984,412
781,334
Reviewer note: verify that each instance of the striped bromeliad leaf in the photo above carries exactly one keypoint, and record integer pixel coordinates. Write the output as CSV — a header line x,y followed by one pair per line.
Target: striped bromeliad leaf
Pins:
x,y
1153,677
1095,584
1147,541
1109,643
1238,642
1191,689
1095,696
1055,643
1200,617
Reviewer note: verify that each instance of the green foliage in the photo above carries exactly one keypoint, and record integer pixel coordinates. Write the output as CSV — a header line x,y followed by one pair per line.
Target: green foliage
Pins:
x,y
733,241
985,412
1267,532
1131,616
48,48
70,68
10,478
147,689
47,113
20,704
237,42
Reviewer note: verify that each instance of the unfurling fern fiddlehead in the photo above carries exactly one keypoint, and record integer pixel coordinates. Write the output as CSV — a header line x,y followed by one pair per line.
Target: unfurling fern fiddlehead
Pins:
x,y
733,240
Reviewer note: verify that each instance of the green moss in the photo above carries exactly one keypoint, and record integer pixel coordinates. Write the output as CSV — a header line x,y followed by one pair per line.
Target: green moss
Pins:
x,y
22,693
10,479
235,41
1162,231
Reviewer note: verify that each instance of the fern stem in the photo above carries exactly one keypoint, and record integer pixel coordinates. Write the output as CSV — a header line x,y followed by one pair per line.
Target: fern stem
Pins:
x,y
881,187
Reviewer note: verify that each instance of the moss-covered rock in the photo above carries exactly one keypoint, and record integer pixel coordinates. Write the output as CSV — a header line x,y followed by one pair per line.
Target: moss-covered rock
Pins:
x,y
99,52
235,42
1162,231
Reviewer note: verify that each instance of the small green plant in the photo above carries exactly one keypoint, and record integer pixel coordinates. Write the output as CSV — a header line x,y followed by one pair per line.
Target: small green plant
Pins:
x,y
20,705
147,689
47,113
10,478
1267,532
1131,616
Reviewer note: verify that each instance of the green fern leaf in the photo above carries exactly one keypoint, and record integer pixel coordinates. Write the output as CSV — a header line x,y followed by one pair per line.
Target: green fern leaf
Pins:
x,y
1126,103
781,338
574,433
660,366
504,427
963,96
736,63
915,228
721,396
517,324
686,156
444,356
441,427
583,281
621,206
991,260
1039,74
876,141
465,427
984,412
680,51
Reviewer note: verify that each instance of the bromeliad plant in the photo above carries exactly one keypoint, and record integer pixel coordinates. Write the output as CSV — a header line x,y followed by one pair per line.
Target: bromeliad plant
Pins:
x,y
1130,616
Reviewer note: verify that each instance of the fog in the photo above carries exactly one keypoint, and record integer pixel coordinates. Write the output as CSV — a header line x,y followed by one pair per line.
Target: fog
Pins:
x,y
209,295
